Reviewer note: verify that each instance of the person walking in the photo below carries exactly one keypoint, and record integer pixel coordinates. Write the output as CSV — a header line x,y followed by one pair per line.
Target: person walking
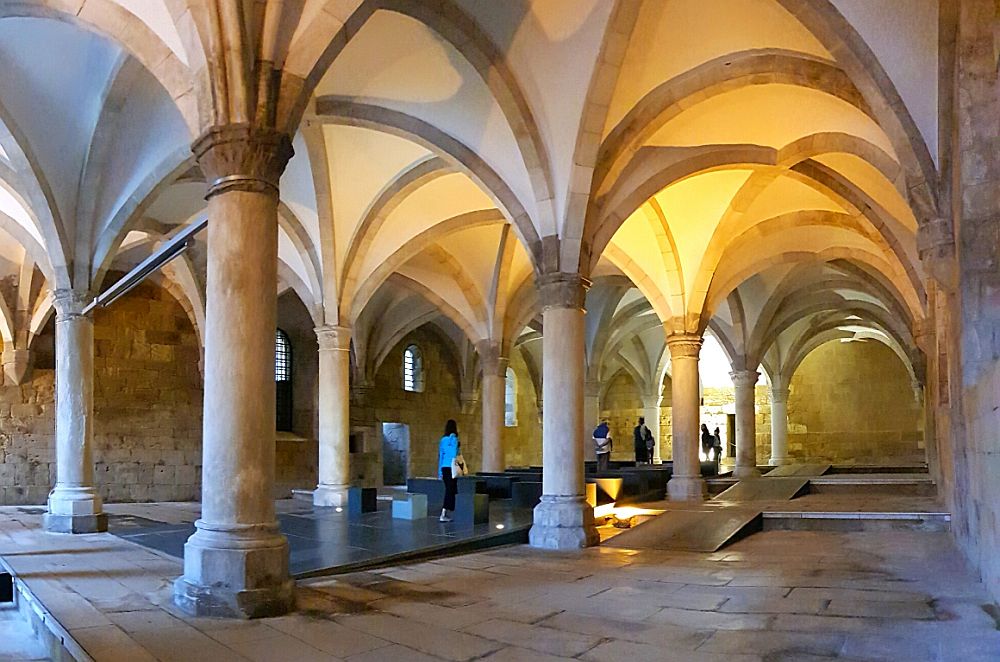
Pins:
x,y
643,440
650,444
450,463
603,445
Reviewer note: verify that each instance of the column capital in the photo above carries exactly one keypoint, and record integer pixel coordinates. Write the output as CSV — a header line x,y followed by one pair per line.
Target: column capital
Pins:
x,y
241,157
490,358
469,401
650,401
332,337
592,388
562,290
684,345
779,394
69,303
744,378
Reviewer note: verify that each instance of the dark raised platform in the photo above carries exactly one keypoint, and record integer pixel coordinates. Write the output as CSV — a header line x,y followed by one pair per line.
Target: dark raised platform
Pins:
x,y
323,541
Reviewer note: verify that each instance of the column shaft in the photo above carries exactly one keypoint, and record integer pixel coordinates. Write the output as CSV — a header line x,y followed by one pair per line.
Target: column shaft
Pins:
x,y
74,506
746,424
779,427
651,414
334,416
236,563
686,483
494,400
563,519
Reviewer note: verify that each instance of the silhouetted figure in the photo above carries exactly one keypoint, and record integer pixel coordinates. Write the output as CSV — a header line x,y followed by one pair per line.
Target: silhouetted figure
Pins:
x,y
643,440
602,446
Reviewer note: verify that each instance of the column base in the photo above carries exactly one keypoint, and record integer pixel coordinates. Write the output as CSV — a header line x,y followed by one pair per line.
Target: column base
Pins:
x,y
75,510
236,571
330,496
686,488
563,523
746,472
778,461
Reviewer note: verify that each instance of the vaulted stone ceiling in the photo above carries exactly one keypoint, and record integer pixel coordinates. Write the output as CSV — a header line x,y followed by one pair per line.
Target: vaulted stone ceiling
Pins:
x,y
754,168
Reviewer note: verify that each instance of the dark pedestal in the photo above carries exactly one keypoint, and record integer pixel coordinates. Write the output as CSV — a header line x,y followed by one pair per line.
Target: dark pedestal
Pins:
x,y
526,494
472,508
471,485
432,487
361,500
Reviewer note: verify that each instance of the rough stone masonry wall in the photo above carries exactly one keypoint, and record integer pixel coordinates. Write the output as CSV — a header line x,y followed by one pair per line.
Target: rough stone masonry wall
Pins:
x,y
297,453
147,404
523,442
975,493
426,413
622,407
852,403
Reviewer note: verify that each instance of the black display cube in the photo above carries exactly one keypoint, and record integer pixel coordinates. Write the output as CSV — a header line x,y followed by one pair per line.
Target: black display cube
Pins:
x,y
472,508
361,500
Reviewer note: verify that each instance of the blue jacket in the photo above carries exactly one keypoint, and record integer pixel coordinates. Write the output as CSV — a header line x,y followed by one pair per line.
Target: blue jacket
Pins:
x,y
447,450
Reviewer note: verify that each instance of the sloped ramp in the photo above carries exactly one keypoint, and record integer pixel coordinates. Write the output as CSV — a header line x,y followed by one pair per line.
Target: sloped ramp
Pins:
x,y
695,530
765,489
789,470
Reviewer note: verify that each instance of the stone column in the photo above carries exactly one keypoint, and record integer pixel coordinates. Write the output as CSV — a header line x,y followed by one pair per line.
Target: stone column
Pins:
x,y
779,427
686,484
236,563
334,416
746,424
651,413
591,414
563,519
74,506
494,398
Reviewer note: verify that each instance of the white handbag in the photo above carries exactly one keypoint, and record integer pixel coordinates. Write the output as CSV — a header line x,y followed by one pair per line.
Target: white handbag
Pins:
x,y
458,466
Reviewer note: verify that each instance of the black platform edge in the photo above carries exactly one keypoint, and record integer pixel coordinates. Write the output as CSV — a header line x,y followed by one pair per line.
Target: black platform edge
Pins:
x,y
513,536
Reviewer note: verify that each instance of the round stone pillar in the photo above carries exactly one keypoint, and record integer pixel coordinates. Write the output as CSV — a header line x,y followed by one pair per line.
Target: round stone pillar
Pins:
x,y
563,519
236,562
334,416
686,483
779,427
746,424
74,506
651,414
591,417
494,400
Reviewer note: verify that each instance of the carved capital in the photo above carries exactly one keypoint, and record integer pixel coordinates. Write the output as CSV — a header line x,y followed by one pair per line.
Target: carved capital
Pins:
x,y
469,401
239,157
779,395
562,290
744,378
360,393
333,338
69,304
490,359
684,345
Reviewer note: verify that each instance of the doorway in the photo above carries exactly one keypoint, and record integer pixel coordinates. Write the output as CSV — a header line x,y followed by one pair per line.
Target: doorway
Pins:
x,y
395,453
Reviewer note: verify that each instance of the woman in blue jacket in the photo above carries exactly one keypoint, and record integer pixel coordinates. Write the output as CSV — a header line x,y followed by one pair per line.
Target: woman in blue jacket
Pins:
x,y
448,449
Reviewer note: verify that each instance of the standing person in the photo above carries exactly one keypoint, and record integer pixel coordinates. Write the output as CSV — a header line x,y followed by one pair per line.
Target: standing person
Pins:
x,y
717,445
448,450
603,445
643,440
707,442
650,444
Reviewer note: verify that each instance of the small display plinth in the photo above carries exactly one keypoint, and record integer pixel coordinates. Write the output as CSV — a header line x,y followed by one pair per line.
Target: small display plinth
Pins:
x,y
361,500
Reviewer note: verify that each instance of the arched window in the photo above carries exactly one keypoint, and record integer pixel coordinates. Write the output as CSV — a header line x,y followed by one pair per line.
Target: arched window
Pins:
x,y
413,369
283,381
510,399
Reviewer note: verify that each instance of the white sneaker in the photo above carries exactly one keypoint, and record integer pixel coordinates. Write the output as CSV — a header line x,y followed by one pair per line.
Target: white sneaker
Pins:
x,y
444,518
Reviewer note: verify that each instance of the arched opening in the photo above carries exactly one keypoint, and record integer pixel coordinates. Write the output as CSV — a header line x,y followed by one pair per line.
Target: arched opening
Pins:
x,y
413,369
510,399
284,403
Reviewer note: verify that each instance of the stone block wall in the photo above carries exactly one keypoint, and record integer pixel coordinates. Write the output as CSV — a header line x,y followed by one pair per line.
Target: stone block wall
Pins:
x,y
523,442
853,403
297,452
622,407
426,413
147,407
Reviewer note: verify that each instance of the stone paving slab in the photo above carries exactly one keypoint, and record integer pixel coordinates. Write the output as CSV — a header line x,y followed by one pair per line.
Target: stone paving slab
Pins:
x,y
764,489
790,470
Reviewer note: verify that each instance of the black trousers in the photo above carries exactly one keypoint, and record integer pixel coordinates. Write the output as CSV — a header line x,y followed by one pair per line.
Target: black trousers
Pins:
x,y
603,461
450,488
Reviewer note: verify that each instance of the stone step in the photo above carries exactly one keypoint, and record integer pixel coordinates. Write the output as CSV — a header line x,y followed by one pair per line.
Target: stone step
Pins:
x,y
851,521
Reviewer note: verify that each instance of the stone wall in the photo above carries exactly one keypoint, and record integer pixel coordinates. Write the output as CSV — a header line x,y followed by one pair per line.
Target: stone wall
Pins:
x,y
297,452
426,413
622,407
852,403
523,442
147,404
